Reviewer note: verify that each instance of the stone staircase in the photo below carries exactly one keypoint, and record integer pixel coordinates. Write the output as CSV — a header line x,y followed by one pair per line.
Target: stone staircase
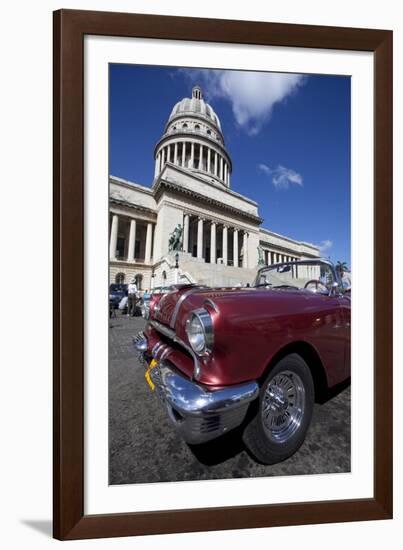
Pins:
x,y
192,270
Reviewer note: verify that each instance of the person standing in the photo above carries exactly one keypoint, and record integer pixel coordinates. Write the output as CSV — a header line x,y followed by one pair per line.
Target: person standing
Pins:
x,y
132,297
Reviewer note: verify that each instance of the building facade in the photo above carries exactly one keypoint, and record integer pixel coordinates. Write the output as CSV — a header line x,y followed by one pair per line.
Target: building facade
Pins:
x,y
221,241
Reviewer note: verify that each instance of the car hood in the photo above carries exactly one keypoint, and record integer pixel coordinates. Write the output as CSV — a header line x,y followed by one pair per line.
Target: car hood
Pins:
x,y
173,306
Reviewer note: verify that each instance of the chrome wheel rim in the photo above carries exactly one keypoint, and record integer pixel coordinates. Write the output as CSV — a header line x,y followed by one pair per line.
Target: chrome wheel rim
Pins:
x,y
283,406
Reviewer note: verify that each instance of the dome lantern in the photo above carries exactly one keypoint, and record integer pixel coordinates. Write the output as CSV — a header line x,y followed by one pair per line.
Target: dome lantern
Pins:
x,y
197,93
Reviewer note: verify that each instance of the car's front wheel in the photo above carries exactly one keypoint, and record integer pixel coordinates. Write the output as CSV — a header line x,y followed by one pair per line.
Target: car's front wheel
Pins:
x,y
284,413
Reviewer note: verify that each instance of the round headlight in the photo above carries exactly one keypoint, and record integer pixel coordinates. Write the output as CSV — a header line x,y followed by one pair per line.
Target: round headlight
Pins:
x,y
199,329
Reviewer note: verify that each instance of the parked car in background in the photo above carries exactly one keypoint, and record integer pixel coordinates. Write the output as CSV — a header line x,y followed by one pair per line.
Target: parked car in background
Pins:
x,y
253,357
116,292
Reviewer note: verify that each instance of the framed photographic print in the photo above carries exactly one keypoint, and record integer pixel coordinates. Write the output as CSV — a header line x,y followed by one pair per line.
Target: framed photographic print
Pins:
x,y
218,187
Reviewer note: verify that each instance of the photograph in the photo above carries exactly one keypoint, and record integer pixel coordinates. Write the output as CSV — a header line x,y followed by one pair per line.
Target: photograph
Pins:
x,y
197,188
229,274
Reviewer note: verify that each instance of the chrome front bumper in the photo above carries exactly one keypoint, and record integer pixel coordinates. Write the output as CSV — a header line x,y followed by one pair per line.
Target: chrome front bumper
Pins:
x,y
199,415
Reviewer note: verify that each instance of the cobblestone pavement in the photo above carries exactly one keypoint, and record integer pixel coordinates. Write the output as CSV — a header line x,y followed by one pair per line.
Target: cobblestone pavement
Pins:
x,y
144,447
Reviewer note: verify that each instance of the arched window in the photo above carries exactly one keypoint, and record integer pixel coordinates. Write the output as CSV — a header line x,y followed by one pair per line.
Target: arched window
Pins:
x,y
120,278
184,125
197,127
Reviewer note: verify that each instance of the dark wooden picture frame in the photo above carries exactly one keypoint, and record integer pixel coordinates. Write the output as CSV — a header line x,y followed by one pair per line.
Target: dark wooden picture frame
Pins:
x,y
70,27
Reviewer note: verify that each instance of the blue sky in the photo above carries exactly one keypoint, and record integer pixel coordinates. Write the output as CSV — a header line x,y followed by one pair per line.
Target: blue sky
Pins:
x,y
288,137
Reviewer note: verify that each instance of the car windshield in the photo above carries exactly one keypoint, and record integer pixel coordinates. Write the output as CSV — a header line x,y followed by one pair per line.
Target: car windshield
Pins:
x,y
317,277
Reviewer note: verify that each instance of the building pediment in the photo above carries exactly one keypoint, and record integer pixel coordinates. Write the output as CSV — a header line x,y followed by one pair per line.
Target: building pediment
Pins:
x,y
175,179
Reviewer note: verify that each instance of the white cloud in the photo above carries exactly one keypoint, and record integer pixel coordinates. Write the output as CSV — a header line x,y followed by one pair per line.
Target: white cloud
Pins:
x,y
281,176
325,245
251,94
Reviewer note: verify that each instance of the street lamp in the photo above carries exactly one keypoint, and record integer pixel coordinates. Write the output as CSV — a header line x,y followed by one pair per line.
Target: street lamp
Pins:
x,y
176,268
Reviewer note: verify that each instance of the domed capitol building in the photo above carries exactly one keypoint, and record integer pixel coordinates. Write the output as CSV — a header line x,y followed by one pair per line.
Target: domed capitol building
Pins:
x,y
190,226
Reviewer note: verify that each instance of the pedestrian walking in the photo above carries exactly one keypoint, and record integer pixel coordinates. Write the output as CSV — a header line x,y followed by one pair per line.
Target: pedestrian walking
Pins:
x,y
132,297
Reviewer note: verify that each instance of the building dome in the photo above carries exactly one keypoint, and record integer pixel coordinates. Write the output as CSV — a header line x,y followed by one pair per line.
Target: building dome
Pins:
x,y
193,140
195,106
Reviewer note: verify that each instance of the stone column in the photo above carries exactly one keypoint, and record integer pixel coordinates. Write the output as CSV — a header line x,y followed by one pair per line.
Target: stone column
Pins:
x,y
176,153
215,163
201,158
213,246
183,153
169,153
157,162
192,155
163,158
200,238
132,241
221,168
149,238
114,237
225,244
208,159
245,250
235,247
185,232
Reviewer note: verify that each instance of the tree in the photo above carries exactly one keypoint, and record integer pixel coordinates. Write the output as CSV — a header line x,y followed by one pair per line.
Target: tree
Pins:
x,y
341,268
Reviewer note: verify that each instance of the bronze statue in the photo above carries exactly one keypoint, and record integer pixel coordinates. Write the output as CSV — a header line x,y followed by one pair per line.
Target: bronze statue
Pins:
x,y
175,239
261,261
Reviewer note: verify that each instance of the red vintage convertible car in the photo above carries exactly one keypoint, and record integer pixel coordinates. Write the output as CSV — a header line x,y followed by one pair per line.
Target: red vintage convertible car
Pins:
x,y
253,357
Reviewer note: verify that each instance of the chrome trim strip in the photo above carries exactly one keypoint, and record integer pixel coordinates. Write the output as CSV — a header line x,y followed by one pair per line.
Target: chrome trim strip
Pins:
x,y
180,302
210,303
171,334
163,329
155,349
165,353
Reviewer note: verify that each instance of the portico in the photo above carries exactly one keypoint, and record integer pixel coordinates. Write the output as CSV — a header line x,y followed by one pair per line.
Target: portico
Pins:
x,y
212,241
